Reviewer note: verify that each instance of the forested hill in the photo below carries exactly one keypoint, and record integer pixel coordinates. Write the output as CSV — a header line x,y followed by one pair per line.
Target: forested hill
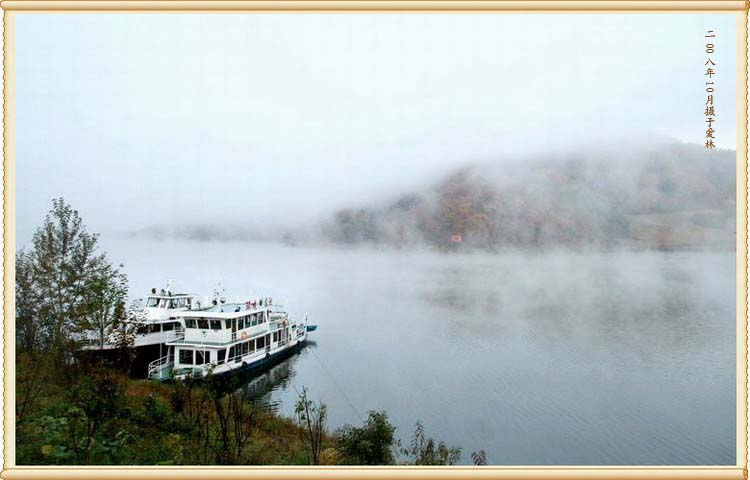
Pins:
x,y
673,196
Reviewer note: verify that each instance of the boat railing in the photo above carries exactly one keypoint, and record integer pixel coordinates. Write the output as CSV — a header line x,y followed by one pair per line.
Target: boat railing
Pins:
x,y
169,334
176,334
250,356
158,366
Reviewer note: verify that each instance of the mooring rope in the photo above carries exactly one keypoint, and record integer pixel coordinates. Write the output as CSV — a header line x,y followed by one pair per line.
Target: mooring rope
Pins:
x,y
341,390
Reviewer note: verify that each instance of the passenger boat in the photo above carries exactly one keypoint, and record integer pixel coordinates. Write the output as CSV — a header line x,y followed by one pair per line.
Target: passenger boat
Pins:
x,y
153,319
228,338
154,322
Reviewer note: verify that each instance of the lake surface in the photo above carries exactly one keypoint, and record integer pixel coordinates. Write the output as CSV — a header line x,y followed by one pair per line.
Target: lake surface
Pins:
x,y
548,358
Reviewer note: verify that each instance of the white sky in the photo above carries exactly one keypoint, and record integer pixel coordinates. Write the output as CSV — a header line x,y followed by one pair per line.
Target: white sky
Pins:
x,y
143,119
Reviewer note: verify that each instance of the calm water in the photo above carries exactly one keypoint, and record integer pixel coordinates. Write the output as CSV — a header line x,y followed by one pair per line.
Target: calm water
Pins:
x,y
555,358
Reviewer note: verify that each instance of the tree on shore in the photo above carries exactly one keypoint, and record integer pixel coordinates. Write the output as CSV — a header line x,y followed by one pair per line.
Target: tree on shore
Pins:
x,y
64,287
371,444
311,418
106,303
427,451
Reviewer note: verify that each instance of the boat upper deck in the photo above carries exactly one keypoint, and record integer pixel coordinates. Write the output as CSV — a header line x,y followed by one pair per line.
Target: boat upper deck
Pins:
x,y
228,322
231,310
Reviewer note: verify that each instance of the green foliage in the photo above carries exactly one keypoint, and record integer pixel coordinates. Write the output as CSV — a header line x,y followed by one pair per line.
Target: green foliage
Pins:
x,y
79,425
426,451
101,417
60,446
64,287
479,458
32,374
311,417
105,308
371,444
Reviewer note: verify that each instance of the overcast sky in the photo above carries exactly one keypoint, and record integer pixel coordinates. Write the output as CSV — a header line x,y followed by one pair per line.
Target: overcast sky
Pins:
x,y
141,120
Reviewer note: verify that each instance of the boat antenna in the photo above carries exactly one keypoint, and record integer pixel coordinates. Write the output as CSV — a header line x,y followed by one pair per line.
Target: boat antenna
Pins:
x,y
219,294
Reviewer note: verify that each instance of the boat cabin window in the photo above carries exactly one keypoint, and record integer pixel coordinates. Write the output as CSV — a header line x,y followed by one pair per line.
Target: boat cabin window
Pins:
x,y
215,324
152,302
186,357
221,354
154,328
203,324
260,343
202,357
189,323
241,321
228,323
142,329
168,326
275,336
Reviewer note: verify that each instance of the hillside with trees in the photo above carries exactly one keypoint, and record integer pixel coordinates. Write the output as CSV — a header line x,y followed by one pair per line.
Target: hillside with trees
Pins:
x,y
669,196
674,196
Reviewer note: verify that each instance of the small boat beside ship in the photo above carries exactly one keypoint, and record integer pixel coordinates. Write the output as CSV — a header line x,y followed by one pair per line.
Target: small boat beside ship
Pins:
x,y
230,337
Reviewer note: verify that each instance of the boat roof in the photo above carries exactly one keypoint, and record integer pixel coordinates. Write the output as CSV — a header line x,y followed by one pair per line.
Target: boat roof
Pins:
x,y
195,343
172,295
150,321
226,310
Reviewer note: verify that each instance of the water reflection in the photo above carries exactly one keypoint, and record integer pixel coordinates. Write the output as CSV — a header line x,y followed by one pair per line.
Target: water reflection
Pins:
x,y
259,387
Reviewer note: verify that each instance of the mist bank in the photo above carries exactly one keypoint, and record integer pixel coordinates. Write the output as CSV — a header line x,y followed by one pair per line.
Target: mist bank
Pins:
x,y
671,196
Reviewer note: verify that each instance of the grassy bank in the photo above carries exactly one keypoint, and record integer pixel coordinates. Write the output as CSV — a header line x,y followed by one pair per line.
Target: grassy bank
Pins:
x,y
89,413
94,415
